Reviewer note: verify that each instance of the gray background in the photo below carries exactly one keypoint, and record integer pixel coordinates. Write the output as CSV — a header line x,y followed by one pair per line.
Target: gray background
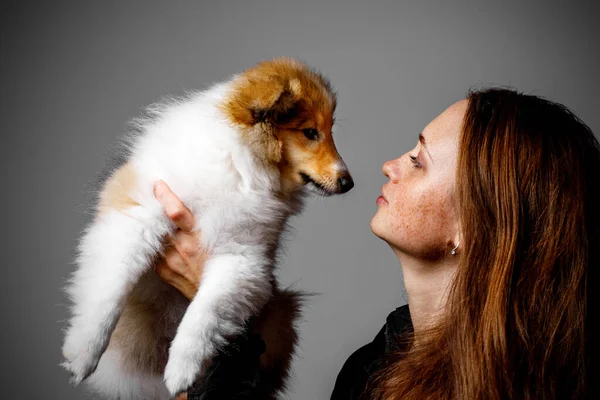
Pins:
x,y
73,74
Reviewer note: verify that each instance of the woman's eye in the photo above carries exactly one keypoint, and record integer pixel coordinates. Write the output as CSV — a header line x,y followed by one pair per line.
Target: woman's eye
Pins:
x,y
311,133
416,163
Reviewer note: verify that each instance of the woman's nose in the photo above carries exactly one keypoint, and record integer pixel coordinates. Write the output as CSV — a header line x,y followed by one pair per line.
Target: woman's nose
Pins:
x,y
388,169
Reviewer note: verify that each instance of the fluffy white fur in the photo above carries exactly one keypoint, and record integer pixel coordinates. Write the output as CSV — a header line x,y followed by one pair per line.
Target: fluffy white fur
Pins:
x,y
232,196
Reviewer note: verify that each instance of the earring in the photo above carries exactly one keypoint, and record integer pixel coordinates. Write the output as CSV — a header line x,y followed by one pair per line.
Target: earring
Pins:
x,y
453,251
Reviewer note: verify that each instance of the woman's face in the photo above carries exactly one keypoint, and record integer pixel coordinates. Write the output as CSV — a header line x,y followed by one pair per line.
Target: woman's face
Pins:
x,y
415,214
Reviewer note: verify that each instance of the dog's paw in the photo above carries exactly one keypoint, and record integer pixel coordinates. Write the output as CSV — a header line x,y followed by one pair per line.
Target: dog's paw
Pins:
x,y
180,375
80,366
185,366
80,360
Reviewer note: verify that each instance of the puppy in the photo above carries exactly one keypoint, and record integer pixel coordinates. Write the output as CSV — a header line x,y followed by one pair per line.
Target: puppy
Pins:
x,y
240,156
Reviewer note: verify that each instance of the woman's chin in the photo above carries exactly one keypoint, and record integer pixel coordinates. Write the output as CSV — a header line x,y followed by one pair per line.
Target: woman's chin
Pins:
x,y
376,226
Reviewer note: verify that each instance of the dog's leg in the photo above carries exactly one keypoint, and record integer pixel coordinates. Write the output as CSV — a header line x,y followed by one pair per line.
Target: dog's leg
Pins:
x,y
112,255
234,287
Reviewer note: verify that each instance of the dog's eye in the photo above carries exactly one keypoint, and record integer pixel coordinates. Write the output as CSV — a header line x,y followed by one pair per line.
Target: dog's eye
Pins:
x,y
311,133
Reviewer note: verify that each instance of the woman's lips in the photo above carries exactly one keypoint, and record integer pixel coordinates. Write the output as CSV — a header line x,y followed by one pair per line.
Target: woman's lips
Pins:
x,y
381,201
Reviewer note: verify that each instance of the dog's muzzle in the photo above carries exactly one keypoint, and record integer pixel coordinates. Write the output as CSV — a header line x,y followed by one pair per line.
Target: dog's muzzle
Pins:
x,y
345,183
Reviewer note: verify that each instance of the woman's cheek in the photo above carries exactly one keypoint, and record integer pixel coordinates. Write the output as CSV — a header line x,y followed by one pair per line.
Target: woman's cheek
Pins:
x,y
418,222
406,215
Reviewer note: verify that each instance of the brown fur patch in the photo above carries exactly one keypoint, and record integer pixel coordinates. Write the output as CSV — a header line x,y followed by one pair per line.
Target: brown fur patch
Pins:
x,y
142,354
277,327
116,192
313,158
278,94
263,140
140,335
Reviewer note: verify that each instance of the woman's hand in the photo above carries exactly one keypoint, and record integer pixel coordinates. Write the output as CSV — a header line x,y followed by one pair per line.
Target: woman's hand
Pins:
x,y
182,263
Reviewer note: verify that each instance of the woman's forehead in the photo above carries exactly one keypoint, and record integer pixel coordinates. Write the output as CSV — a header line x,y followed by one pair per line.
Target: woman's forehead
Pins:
x,y
441,134
445,126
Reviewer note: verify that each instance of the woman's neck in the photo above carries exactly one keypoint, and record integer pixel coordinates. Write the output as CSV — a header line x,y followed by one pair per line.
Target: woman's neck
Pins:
x,y
427,283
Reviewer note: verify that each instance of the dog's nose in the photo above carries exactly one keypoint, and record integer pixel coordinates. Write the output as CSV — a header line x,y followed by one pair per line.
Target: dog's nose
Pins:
x,y
345,183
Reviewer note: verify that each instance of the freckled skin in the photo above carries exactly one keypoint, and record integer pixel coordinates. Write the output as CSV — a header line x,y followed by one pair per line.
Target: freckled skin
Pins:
x,y
419,219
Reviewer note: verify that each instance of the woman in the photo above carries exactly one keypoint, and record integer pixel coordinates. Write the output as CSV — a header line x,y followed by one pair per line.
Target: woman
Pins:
x,y
494,219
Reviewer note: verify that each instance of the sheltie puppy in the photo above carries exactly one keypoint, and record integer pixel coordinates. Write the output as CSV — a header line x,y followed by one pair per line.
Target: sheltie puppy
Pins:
x,y
240,155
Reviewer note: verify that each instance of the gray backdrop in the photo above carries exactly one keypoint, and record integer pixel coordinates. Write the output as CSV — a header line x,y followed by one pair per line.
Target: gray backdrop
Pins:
x,y
73,74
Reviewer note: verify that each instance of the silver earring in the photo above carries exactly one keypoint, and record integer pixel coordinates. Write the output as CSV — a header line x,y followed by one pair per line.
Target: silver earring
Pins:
x,y
453,251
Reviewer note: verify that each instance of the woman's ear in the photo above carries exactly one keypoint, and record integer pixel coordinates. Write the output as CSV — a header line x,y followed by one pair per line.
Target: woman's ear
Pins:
x,y
456,242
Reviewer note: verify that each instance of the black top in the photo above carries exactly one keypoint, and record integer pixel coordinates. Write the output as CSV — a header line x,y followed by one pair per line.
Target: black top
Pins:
x,y
234,373
353,377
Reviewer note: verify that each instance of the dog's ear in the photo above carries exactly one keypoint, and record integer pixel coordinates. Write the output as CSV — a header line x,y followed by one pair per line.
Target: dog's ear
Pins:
x,y
264,100
260,104
278,104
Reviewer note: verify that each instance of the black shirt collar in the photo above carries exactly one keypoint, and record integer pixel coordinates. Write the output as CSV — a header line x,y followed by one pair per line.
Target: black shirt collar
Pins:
x,y
397,324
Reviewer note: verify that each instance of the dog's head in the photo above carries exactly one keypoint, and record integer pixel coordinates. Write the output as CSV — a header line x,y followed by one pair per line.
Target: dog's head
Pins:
x,y
286,111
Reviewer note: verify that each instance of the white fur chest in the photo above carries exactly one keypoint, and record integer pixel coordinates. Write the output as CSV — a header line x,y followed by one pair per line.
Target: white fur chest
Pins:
x,y
193,148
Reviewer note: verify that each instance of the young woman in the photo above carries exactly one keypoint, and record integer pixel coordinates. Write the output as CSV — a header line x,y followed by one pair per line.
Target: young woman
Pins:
x,y
494,219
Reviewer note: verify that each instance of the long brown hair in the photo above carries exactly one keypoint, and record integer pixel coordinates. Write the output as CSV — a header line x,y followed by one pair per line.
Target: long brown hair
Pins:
x,y
516,324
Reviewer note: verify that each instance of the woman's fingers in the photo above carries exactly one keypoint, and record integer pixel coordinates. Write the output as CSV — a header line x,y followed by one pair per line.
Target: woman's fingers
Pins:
x,y
182,261
173,261
172,270
188,246
174,208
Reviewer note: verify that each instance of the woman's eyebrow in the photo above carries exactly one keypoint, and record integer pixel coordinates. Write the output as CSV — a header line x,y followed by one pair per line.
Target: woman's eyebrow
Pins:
x,y
423,144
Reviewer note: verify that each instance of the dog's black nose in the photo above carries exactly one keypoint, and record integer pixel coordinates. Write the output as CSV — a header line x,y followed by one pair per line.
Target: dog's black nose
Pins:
x,y
346,183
